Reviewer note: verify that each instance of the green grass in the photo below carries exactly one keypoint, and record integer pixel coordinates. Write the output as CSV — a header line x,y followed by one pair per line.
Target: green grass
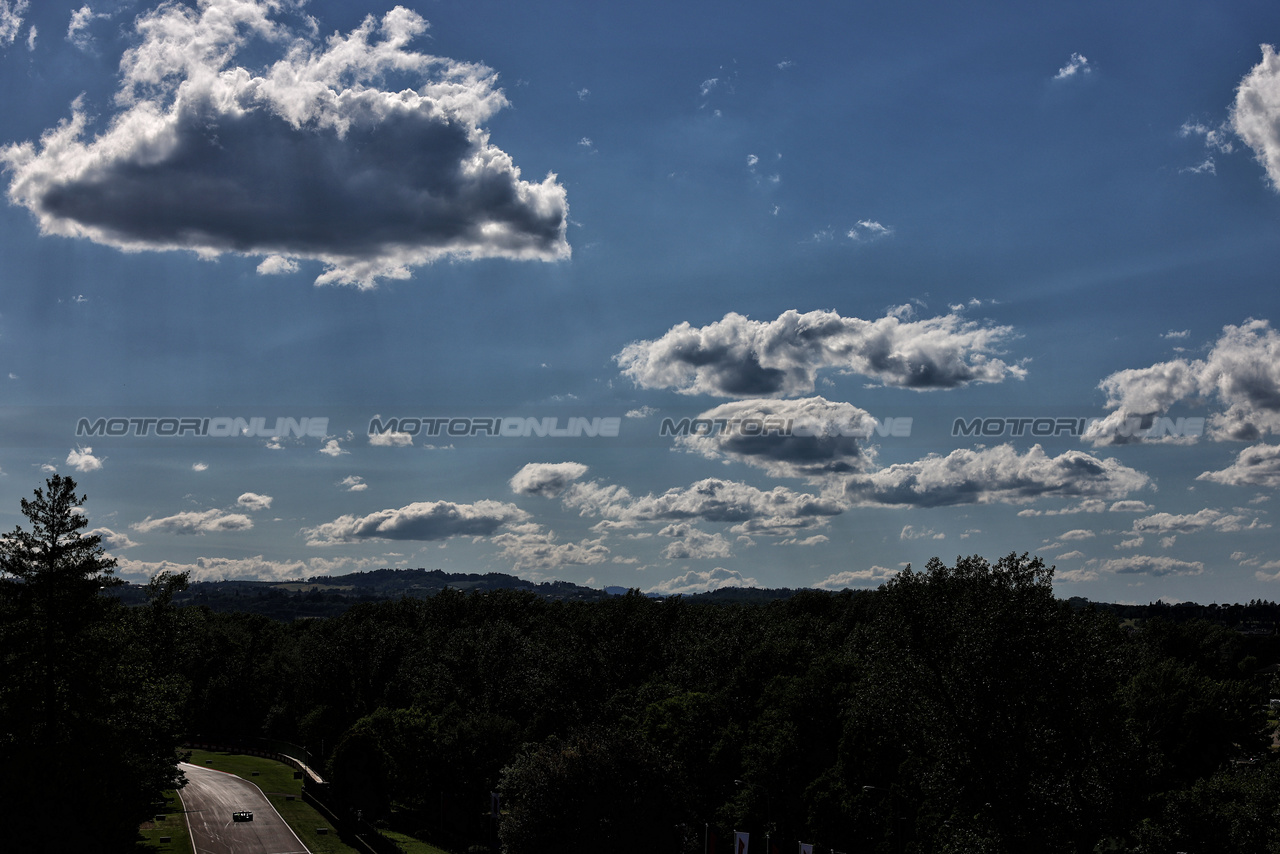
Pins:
x,y
411,845
174,825
277,782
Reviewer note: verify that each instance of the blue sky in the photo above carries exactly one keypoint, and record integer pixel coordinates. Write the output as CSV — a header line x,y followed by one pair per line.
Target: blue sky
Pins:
x,y
693,294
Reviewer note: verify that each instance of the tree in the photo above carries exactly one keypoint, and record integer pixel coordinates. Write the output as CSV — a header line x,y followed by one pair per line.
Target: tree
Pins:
x,y
81,700
986,711
54,574
595,790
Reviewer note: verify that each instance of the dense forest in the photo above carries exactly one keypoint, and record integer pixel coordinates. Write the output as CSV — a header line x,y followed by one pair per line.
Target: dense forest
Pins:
x,y
961,708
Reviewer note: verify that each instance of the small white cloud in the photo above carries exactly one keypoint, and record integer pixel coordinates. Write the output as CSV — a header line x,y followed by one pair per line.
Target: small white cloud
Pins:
x,y
332,449
583,93
277,265
867,229
910,532
78,28
196,522
701,582
354,483
11,12
253,501
1216,138
112,539
1076,65
546,479
83,460
199,466
1204,167
390,440
872,577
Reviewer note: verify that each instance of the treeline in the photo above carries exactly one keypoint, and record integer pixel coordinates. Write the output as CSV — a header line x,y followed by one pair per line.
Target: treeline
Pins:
x,y
959,709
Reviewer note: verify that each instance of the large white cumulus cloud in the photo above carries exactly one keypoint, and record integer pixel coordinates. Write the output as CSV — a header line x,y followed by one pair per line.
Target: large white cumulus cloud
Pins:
x,y
1242,372
355,150
741,358
1255,116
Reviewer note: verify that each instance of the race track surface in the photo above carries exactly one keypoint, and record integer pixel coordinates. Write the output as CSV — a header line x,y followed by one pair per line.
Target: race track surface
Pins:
x,y
210,797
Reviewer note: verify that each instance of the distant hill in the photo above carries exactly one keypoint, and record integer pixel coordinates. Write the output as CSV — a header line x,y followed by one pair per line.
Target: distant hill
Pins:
x,y
327,596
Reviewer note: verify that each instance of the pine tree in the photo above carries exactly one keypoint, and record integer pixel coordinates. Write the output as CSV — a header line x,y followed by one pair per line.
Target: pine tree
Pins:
x,y
82,705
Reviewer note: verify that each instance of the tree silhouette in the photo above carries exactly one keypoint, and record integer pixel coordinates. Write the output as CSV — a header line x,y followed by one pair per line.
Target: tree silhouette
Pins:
x,y
82,701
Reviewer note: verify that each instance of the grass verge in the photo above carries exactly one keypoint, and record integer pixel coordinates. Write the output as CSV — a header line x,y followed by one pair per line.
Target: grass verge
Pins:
x,y
172,827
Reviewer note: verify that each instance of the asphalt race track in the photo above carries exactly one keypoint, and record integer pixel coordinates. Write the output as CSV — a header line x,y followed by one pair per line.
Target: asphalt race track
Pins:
x,y
210,797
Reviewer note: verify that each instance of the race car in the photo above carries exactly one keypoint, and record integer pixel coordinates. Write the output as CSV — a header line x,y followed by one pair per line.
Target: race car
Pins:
x,y
242,815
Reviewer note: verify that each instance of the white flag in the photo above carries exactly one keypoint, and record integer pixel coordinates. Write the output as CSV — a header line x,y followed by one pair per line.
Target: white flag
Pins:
x,y
740,842
806,848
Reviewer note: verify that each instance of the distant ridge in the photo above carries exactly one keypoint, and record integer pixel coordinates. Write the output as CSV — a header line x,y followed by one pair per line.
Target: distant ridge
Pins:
x,y
327,596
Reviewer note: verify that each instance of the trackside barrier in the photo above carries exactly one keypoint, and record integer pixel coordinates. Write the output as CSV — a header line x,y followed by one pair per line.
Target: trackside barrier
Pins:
x,y
367,841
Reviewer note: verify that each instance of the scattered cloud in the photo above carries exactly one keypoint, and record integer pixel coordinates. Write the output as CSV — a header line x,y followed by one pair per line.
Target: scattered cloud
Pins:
x,y
1216,138
1242,372
910,532
277,265
423,520
196,522
530,547
304,158
696,581
742,358
199,466
548,480
1130,506
83,460
332,448
253,501
808,437
254,568
867,230
690,543
778,511
78,28
872,577
354,483
1157,565
1170,523
112,539
391,440
1077,66
1258,465
11,12
994,475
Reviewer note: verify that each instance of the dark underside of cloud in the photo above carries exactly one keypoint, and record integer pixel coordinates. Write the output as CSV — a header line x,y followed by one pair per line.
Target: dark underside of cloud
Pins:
x,y
251,184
